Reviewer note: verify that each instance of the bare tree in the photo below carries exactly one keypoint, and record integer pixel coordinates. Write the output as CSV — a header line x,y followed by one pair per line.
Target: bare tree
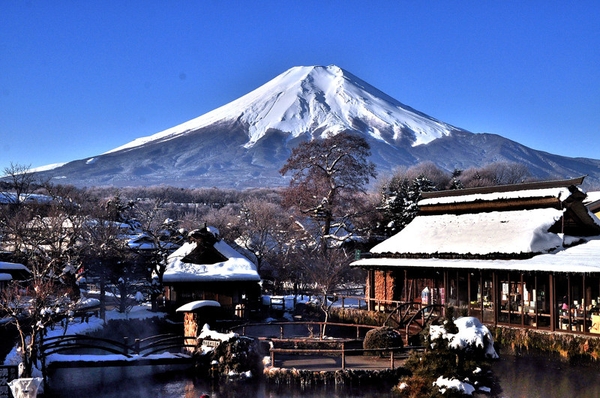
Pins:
x,y
20,182
226,219
500,173
325,176
46,240
161,236
262,228
326,271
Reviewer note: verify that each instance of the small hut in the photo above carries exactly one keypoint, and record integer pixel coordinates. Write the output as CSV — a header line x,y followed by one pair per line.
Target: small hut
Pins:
x,y
207,268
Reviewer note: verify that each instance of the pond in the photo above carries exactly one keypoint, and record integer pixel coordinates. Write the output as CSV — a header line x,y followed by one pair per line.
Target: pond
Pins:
x,y
519,377
541,377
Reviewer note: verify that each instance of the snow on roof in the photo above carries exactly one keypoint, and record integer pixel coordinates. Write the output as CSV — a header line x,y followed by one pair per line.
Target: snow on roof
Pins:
x,y
582,258
235,268
5,277
512,232
194,305
592,197
12,266
559,193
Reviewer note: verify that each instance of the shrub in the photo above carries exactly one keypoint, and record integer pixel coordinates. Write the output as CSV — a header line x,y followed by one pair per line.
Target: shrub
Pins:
x,y
234,357
383,337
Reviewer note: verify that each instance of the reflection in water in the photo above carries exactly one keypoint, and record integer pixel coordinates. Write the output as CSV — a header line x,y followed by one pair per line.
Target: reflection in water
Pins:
x,y
128,383
541,377
519,377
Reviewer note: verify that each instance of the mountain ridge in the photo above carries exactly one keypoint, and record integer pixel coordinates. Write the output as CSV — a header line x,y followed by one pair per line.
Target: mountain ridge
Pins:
x,y
244,143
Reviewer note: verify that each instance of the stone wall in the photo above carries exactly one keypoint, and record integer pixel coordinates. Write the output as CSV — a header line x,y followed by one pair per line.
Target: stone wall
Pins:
x,y
566,346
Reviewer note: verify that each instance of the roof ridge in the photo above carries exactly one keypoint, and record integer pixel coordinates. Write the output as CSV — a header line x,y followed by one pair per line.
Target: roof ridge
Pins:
x,y
505,188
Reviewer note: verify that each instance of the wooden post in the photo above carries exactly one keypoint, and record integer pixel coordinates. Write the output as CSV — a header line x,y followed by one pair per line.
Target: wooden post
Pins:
x,y
272,357
343,355
392,359
554,318
126,342
137,346
281,332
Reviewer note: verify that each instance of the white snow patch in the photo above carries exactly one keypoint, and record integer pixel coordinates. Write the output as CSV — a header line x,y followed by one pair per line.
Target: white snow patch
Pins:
x,y
523,231
470,333
445,384
559,193
206,333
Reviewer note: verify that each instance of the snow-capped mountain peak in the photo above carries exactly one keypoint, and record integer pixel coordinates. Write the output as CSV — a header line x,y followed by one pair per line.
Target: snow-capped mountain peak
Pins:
x,y
245,143
318,101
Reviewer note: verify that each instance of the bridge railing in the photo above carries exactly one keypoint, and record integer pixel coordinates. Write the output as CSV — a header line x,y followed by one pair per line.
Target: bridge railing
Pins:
x,y
343,352
76,344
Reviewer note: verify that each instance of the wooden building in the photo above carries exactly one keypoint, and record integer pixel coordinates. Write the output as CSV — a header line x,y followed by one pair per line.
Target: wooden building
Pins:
x,y
207,268
524,255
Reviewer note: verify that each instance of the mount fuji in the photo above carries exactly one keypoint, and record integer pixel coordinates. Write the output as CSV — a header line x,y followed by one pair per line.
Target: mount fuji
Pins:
x,y
244,143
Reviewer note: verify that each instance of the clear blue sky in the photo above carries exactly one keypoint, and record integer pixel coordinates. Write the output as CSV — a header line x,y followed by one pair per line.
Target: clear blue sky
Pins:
x,y
78,78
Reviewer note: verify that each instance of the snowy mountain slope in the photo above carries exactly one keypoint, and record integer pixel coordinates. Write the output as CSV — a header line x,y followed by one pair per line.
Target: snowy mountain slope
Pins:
x,y
309,99
244,143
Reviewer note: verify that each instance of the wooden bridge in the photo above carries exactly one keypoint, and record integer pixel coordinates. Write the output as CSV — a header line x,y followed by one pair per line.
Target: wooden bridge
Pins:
x,y
87,351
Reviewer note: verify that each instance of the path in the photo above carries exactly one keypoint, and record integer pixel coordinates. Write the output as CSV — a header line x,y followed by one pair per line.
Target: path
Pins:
x,y
331,363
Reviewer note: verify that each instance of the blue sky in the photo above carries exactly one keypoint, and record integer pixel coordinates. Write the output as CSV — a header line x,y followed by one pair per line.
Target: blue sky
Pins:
x,y
78,78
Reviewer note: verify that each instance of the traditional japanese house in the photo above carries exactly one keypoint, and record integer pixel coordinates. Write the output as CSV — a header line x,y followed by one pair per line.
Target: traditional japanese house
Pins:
x,y
524,255
207,268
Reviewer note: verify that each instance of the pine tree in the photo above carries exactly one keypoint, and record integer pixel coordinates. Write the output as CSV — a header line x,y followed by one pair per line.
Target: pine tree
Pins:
x,y
399,201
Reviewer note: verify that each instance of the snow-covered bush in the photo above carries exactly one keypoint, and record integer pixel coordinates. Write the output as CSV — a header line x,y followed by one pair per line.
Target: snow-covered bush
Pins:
x,y
235,356
457,361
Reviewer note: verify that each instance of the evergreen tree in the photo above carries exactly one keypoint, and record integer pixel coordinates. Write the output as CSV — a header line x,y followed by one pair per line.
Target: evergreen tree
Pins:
x,y
399,201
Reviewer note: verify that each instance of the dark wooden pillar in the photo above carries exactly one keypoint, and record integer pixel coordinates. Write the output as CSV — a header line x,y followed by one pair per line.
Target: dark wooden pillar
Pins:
x,y
552,303
371,290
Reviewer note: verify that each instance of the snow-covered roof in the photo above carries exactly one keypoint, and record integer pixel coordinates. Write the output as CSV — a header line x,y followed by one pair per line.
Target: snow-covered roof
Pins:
x,y
6,266
235,268
592,202
10,197
512,232
194,305
5,277
583,258
561,193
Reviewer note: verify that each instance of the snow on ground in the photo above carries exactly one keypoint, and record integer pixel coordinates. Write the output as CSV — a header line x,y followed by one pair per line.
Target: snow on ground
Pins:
x,y
288,301
142,311
79,326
